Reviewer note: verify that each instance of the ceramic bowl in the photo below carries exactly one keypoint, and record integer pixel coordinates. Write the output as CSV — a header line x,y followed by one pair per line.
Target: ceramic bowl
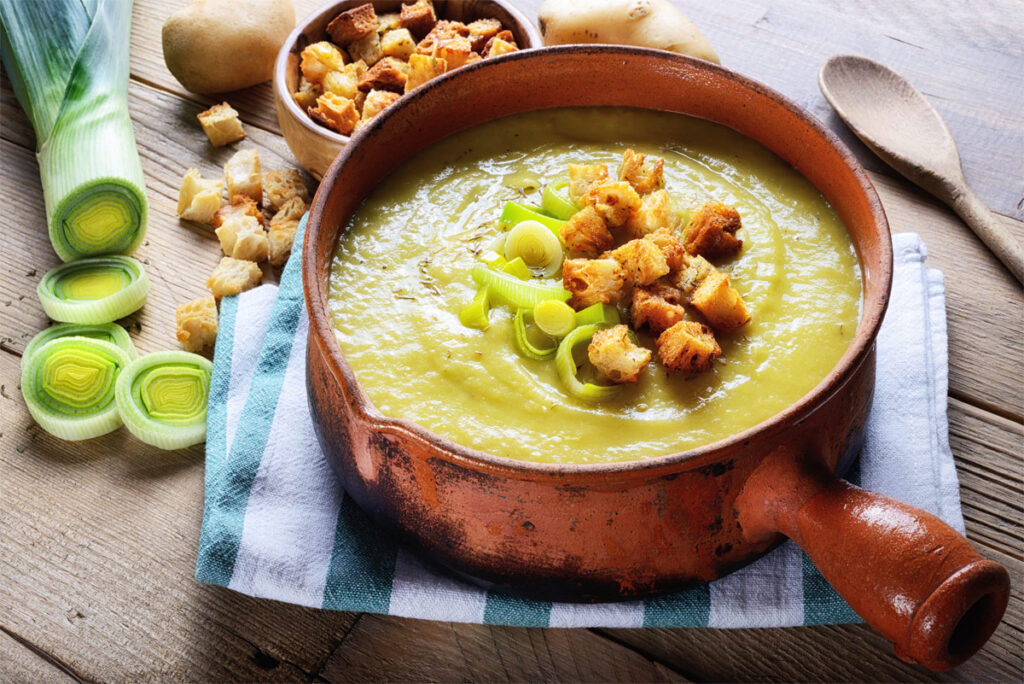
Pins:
x,y
629,530
316,146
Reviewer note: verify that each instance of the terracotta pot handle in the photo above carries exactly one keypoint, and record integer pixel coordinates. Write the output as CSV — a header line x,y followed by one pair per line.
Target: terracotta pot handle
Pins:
x,y
913,578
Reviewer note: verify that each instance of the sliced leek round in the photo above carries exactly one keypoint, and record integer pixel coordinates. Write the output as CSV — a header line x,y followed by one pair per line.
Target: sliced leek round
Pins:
x,y
69,386
96,290
536,245
105,332
554,317
565,364
162,398
523,343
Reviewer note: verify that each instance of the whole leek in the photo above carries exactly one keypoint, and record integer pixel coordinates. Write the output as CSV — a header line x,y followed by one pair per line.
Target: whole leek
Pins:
x,y
68,65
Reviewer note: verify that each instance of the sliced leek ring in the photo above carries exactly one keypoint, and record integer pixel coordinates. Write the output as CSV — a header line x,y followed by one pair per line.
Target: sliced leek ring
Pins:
x,y
105,332
162,398
69,386
95,290
565,364
536,245
523,343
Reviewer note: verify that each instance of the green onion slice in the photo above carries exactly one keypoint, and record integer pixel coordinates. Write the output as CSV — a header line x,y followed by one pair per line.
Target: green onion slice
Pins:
x,y
515,213
554,317
474,314
95,290
162,398
508,289
598,313
105,332
523,343
556,202
69,386
518,268
565,364
536,245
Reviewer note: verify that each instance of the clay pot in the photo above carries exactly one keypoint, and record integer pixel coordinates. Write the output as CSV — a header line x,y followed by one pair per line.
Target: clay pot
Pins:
x,y
629,530
316,146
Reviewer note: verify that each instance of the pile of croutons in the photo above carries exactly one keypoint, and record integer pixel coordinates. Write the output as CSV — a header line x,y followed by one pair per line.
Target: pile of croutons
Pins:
x,y
371,60
657,278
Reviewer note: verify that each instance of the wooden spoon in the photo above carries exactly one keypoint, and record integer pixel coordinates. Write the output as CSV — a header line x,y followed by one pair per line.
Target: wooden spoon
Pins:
x,y
895,120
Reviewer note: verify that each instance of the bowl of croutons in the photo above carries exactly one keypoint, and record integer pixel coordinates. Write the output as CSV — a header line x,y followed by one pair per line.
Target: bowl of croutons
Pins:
x,y
347,62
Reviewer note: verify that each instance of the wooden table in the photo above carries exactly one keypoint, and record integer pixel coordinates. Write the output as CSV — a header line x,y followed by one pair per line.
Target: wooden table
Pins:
x,y
98,539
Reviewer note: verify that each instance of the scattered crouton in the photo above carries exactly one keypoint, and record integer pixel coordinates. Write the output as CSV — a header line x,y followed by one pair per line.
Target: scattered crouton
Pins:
x,y
197,323
422,68
198,198
283,226
387,74
307,93
280,186
240,205
242,175
688,347
398,44
319,58
353,24
392,21
242,237
481,31
366,49
657,307
221,125
580,178
376,102
419,18
616,201
642,176
721,304
615,356
675,253
711,231
336,112
585,233
593,281
233,276
655,212
641,260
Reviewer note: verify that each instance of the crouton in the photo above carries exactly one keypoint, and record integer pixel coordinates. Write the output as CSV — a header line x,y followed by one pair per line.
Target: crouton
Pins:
x,y
711,231
242,237
721,304
376,102
615,201
655,212
319,58
398,44
387,74
392,21
281,186
307,93
675,253
642,176
336,112
353,24
481,31
242,175
442,32
585,233
496,46
366,49
580,178
593,281
283,226
422,68
344,83
221,124
198,197
233,276
657,307
456,51
419,18
691,274
240,205
688,347
642,261
615,356
196,323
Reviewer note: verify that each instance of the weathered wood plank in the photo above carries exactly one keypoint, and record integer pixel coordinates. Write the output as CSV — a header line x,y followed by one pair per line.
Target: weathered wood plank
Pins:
x,y
19,663
454,652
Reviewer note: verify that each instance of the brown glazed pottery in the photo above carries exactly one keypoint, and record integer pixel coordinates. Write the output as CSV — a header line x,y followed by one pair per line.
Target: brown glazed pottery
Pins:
x,y
628,530
316,146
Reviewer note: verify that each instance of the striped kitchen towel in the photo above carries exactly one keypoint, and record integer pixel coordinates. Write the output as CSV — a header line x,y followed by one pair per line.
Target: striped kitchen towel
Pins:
x,y
277,525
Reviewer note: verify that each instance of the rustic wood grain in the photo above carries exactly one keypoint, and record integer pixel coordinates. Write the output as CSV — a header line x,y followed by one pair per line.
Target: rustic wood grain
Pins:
x,y
19,662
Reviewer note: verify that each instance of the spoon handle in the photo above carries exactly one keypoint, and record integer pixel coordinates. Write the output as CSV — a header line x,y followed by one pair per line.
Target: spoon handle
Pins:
x,y
987,227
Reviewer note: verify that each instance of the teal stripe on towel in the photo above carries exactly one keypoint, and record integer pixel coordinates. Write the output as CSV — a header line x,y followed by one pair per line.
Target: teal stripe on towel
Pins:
x,y
362,563
503,609
688,608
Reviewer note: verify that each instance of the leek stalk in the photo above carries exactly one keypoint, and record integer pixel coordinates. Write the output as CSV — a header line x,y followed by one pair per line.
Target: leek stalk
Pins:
x,y
68,65
507,289
96,290
516,267
162,398
598,313
105,332
474,314
515,213
557,203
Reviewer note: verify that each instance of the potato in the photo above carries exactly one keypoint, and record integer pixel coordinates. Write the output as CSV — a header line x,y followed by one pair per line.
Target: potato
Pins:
x,y
213,46
646,23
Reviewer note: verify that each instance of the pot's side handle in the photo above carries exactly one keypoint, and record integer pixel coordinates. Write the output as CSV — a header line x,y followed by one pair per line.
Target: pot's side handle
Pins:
x,y
913,578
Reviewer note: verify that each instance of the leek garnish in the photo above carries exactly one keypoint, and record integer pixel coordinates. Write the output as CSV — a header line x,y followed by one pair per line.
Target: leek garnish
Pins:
x,y
555,202
523,343
105,332
162,398
598,313
96,290
565,364
68,65
508,289
536,245
515,213
474,314
69,386
554,317
516,267
493,259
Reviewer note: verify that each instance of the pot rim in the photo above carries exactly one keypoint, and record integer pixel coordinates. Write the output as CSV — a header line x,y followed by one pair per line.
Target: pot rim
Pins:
x,y
855,355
